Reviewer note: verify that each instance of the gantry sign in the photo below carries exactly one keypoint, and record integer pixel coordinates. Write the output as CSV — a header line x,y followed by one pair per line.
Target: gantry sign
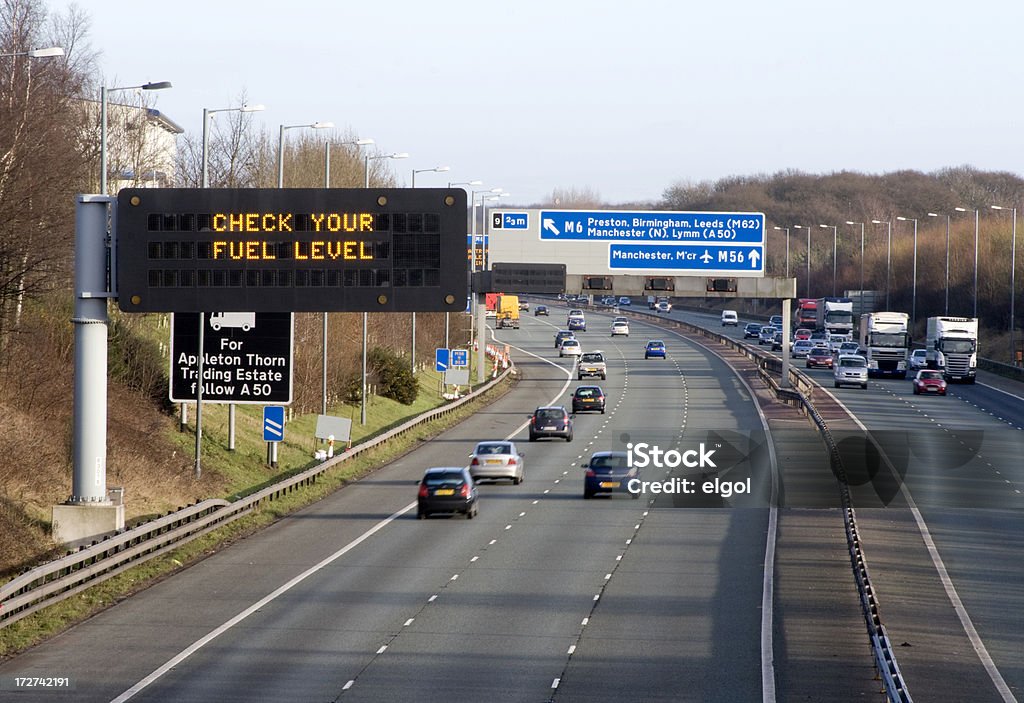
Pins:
x,y
291,250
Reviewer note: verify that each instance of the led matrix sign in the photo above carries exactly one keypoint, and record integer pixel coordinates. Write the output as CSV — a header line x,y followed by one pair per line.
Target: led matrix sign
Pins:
x,y
285,250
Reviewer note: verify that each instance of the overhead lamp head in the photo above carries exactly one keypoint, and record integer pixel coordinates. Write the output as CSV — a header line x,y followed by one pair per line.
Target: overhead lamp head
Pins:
x,y
322,125
364,142
43,53
160,85
252,108
399,155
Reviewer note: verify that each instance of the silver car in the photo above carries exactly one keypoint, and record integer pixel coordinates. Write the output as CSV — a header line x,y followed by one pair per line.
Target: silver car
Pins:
x,y
850,369
497,460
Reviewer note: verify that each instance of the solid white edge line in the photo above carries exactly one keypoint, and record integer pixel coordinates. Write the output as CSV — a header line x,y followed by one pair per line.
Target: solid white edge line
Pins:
x,y
940,567
209,637
273,595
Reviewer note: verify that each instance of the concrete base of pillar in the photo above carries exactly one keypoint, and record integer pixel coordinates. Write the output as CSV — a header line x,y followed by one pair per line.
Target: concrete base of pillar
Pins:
x,y
80,524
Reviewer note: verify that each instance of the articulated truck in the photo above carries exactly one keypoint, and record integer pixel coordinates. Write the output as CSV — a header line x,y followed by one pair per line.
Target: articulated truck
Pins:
x,y
885,342
952,347
805,312
835,315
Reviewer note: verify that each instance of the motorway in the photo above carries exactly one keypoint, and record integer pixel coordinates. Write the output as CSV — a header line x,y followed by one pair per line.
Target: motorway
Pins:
x,y
943,543
549,597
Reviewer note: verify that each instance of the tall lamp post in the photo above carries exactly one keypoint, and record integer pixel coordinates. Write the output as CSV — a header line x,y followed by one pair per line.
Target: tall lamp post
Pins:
x,y
786,230
935,214
327,184
913,295
204,182
412,351
451,184
850,222
807,290
963,209
480,315
888,255
280,144
366,184
1013,274
835,248
104,91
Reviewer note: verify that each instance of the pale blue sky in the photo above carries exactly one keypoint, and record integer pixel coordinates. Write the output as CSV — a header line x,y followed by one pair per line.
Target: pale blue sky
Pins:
x,y
624,98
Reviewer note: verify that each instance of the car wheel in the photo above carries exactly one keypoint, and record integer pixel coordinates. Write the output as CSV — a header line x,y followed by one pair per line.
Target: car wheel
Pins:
x,y
568,437
420,515
602,411
579,378
864,386
837,384
587,495
533,437
646,357
471,513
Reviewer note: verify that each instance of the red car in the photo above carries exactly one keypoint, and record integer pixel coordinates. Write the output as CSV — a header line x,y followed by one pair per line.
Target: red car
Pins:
x,y
801,334
819,357
929,381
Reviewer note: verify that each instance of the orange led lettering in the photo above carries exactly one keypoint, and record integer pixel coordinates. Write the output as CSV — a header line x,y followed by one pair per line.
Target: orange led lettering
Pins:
x,y
366,222
252,222
218,249
268,251
362,252
299,256
349,247
316,250
317,220
236,250
284,222
334,249
252,250
269,222
218,222
235,222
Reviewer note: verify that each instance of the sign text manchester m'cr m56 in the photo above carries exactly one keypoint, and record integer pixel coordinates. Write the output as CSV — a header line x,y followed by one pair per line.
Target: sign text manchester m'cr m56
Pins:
x,y
285,250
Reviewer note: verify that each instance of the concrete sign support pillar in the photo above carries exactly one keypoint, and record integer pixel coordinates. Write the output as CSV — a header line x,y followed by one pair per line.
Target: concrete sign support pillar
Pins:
x,y
481,337
786,307
89,512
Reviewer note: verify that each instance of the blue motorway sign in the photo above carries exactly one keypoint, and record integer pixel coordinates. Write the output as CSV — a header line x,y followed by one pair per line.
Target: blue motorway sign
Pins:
x,y
653,226
459,358
273,423
510,220
442,359
692,257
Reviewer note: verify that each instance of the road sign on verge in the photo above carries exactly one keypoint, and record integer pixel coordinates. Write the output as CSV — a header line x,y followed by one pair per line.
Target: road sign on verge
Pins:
x,y
441,359
247,358
273,423
457,377
459,358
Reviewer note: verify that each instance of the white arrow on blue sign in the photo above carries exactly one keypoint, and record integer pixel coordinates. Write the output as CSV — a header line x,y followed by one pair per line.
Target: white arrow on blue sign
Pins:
x,y
273,423
442,359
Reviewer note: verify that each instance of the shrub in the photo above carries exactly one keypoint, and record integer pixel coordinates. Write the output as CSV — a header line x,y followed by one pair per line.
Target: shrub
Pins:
x,y
393,376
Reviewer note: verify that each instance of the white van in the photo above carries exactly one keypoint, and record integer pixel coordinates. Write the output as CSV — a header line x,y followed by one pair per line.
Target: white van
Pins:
x,y
729,317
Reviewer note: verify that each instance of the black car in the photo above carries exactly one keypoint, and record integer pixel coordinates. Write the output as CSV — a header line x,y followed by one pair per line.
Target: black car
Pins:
x,y
552,421
540,310
447,489
562,334
752,330
609,472
588,398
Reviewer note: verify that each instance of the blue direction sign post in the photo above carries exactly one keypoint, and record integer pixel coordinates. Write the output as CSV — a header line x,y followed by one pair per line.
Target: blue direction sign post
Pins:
x,y
459,358
442,359
675,257
273,423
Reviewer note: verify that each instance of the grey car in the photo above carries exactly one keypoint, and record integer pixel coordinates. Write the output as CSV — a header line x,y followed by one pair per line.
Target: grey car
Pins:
x,y
497,460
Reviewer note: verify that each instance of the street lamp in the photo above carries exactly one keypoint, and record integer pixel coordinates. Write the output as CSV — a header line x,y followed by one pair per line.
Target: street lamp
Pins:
x,y
1013,274
207,118
786,229
280,145
835,246
103,119
412,351
37,53
888,256
913,295
849,222
495,194
452,184
808,228
366,184
963,209
436,169
935,214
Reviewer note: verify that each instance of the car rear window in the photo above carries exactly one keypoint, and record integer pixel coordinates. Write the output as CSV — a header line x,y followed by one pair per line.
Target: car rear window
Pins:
x,y
493,449
550,415
440,478
586,392
592,357
610,461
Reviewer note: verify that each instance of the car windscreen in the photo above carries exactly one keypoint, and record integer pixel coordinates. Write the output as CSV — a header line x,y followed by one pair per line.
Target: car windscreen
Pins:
x,y
852,363
932,375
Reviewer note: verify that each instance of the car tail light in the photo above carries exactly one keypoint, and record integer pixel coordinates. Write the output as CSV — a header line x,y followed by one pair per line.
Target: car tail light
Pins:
x,y
475,462
423,490
464,490
590,473
512,461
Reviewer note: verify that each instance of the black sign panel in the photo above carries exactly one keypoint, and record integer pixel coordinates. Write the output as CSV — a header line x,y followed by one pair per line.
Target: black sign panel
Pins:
x,y
528,278
247,357
291,250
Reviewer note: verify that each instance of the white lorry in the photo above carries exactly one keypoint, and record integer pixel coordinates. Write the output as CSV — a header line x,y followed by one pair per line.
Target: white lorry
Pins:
x,y
835,315
952,347
885,342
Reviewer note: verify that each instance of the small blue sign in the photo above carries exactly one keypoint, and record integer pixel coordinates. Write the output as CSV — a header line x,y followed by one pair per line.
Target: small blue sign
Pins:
x,y
460,358
511,220
718,228
442,359
273,423
700,258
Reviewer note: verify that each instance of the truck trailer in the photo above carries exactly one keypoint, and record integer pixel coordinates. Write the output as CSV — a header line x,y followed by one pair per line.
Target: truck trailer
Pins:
x,y
805,313
952,347
885,342
508,311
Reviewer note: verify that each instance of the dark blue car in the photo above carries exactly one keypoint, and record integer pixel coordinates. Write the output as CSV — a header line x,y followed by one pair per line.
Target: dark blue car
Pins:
x,y
609,472
655,347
